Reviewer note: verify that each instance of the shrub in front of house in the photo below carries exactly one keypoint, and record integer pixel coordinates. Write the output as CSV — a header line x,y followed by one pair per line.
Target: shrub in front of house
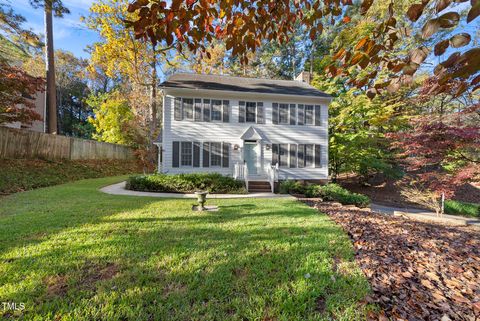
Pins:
x,y
328,192
336,193
291,187
186,183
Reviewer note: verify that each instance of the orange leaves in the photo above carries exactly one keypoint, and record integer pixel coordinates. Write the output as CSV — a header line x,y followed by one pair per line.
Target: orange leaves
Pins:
x,y
474,11
441,47
447,20
415,11
419,55
346,19
366,4
460,40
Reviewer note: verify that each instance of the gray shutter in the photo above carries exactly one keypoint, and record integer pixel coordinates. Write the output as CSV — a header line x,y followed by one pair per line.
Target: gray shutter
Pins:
x,y
241,112
275,113
198,110
178,113
175,154
293,155
206,154
318,115
225,154
301,156
196,154
318,158
293,114
275,148
260,113
301,115
206,110
226,111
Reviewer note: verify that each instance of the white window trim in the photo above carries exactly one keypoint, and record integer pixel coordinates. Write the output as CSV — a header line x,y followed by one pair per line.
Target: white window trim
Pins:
x,y
181,154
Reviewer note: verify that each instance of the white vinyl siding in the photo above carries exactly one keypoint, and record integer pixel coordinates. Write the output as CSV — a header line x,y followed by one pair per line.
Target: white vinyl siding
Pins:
x,y
230,132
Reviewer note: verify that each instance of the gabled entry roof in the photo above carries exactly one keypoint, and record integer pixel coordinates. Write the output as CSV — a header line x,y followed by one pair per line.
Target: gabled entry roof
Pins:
x,y
241,84
252,134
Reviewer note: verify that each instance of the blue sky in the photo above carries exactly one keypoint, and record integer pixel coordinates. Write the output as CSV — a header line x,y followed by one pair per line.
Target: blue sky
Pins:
x,y
69,33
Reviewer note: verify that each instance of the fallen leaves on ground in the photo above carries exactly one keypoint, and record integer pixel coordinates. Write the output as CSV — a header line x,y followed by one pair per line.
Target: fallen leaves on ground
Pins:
x,y
417,271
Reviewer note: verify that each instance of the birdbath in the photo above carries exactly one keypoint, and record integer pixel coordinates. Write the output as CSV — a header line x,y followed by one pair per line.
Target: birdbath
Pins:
x,y
201,198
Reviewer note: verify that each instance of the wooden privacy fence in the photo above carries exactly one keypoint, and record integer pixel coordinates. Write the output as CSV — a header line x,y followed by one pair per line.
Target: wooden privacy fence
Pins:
x,y
18,143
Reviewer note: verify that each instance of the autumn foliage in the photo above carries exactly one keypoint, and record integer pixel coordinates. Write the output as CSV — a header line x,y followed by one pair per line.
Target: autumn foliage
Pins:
x,y
244,25
17,89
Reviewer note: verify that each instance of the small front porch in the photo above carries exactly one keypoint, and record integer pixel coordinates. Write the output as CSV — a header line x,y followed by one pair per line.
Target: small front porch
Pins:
x,y
257,182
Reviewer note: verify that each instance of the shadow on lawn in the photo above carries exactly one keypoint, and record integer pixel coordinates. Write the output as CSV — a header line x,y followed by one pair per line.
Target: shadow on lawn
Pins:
x,y
217,267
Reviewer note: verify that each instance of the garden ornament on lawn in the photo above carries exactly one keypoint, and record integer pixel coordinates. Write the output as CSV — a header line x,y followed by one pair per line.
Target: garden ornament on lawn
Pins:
x,y
201,198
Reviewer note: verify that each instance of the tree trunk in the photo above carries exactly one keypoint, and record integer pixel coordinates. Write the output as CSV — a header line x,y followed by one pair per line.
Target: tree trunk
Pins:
x,y
153,108
50,94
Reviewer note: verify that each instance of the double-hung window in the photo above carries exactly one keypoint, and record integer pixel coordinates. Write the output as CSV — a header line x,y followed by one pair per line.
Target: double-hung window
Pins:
x,y
186,154
309,115
215,154
283,114
216,110
187,108
250,112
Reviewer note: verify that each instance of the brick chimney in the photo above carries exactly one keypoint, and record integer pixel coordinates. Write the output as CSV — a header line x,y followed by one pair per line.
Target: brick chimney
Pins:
x,y
304,76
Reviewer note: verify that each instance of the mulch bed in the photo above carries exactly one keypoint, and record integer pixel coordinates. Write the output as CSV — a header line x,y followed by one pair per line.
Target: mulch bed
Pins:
x,y
417,271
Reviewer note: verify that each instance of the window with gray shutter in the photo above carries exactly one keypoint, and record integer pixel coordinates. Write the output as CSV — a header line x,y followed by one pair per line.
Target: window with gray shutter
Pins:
x,y
260,113
177,114
206,110
301,115
241,112
309,155
226,111
175,154
216,154
198,109
301,156
274,154
275,113
225,155
283,155
283,114
318,156
196,154
318,115
206,154
309,115
293,155
293,114
216,113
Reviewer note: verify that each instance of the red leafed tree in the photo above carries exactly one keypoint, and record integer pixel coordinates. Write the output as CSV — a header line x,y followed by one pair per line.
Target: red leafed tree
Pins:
x,y
17,89
442,148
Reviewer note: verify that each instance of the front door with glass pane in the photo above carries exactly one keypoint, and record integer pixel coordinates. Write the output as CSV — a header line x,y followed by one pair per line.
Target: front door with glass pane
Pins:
x,y
251,153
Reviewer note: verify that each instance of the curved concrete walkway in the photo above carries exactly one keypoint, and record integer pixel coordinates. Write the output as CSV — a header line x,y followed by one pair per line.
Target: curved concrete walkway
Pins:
x,y
119,189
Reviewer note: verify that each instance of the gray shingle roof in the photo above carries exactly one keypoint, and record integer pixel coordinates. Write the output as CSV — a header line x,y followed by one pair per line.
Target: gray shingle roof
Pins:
x,y
241,84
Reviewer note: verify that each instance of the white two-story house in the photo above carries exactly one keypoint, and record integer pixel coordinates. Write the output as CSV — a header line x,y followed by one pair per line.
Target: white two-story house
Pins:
x,y
248,128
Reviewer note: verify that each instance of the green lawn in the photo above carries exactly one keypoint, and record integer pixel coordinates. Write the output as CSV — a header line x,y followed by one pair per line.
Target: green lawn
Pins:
x,y
70,252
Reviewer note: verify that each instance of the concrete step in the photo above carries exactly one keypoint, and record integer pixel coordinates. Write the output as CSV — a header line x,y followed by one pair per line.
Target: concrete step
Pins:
x,y
258,190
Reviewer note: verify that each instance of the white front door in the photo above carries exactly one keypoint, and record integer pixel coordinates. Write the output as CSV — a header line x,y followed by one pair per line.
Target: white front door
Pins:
x,y
251,155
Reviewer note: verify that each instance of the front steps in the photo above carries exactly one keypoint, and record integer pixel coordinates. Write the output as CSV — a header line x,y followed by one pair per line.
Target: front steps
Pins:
x,y
259,187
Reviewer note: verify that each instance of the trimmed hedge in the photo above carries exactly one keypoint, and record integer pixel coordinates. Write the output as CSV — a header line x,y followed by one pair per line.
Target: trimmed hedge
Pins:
x,y
186,183
328,192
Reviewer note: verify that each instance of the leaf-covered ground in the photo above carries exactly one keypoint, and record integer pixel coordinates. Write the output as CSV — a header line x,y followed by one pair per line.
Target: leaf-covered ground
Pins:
x,y
418,271
70,252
